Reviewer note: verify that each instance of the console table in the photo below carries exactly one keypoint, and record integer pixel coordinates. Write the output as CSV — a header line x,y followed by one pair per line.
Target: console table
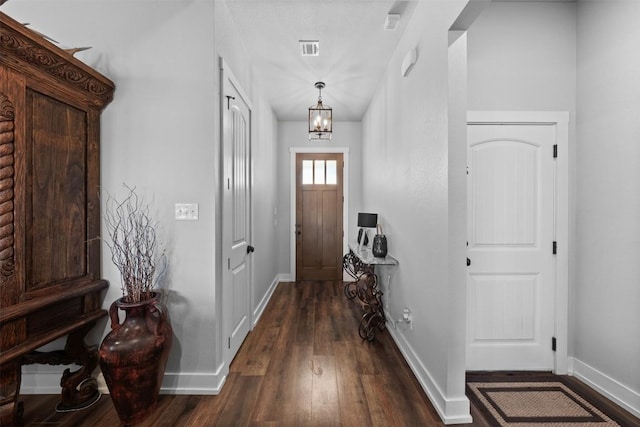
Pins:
x,y
360,264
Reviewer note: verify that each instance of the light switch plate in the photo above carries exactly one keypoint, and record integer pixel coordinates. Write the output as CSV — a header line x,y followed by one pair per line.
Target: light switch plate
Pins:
x,y
186,211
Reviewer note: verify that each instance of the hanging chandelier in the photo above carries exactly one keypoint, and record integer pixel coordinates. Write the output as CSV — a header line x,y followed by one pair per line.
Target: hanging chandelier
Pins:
x,y
320,118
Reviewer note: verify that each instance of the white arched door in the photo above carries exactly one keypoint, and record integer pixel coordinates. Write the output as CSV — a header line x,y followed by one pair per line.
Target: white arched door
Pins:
x,y
511,272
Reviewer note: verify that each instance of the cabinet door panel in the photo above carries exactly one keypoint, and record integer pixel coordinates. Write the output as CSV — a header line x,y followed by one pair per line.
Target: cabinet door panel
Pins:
x,y
57,225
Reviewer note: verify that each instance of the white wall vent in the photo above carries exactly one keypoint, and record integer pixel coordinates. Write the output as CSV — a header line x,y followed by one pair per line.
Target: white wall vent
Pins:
x,y
310,47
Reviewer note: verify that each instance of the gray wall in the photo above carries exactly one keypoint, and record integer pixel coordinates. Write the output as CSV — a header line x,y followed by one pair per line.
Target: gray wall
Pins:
x,y
606,284
407,182
580,57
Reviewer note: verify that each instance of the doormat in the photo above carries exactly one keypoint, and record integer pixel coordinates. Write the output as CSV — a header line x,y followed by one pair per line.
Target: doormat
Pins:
x,y
529,404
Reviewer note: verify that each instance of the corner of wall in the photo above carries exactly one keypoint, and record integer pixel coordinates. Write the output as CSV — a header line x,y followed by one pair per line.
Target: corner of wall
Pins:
x,y
607,386
451,411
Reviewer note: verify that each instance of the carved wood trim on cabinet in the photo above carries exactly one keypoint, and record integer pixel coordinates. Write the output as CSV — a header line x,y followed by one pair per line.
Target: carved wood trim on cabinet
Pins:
x,y
7,182
38,58
50,284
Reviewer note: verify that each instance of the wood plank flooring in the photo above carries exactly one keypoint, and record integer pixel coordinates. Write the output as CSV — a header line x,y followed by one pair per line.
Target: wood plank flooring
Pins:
x,y
302,365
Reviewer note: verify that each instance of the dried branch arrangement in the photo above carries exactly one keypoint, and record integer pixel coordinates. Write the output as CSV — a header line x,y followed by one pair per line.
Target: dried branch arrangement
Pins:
x,y
133,244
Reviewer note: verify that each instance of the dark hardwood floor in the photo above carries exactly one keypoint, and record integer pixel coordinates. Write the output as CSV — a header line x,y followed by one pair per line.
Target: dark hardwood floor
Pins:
x,y
302,365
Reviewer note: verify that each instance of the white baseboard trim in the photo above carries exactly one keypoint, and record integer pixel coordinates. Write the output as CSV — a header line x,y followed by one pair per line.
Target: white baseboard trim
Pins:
x,y
257,313
197,383
287,278
610,388
451,411
43,381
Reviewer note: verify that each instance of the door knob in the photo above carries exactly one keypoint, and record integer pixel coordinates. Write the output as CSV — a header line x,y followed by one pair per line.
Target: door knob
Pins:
x,y
250,249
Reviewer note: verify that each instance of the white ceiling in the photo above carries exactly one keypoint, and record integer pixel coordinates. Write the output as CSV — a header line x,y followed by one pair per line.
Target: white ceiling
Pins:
x,y
354,50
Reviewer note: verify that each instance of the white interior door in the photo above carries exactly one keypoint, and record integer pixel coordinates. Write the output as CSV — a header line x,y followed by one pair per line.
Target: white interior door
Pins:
x,y
511,281
236,234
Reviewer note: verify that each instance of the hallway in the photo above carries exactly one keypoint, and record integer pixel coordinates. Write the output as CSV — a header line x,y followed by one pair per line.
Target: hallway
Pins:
x,y
405,138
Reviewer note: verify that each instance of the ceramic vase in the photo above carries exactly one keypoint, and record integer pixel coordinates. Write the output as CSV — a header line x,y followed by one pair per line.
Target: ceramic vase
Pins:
x,y
133,357
379,248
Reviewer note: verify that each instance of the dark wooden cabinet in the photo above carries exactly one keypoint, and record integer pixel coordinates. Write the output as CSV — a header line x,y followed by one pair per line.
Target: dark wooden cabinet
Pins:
x,y
50,285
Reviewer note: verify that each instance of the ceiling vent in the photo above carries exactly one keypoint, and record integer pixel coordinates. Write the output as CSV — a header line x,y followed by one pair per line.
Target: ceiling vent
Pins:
x,y
310,47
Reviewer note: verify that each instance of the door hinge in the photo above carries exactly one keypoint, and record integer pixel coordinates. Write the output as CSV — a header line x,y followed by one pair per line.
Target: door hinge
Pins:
x,y
555,248
228,263
555,151
228,183
553,343
229,343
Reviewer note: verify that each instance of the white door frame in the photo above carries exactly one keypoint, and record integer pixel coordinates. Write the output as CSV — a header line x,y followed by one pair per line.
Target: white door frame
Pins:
x,y
226,73
559,119
345,193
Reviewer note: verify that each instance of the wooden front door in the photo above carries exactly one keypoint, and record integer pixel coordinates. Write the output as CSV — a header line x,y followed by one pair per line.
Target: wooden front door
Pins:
x,y
511,285
319,216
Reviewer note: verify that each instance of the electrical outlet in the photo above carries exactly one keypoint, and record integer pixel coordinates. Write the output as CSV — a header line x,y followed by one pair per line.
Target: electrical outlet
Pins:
x,y
186,211
407,318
